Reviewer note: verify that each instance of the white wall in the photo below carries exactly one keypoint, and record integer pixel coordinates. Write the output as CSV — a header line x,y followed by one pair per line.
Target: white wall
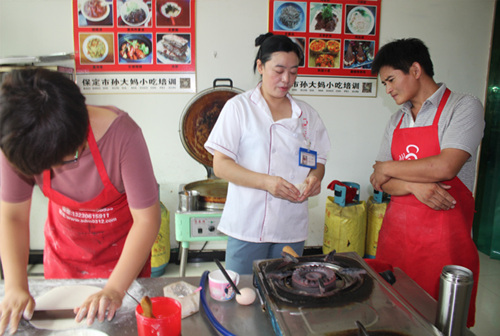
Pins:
x,y
457,32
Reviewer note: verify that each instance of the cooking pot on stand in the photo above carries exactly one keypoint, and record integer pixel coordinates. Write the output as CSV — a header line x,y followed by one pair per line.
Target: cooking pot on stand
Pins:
x,y
188,200
196,123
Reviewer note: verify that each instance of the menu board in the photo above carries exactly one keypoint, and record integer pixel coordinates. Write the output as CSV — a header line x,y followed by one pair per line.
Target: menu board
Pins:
x,y
339,37
141,37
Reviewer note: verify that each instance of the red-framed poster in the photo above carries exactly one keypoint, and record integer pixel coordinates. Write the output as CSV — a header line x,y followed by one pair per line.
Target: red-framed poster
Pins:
x,y
339,39
135,41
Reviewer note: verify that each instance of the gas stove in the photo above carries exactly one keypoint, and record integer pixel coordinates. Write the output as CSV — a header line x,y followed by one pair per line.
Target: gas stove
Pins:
x,y
333,295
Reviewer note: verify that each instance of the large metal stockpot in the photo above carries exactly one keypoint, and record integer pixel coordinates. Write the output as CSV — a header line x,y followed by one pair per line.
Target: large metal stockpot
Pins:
x,y
197,121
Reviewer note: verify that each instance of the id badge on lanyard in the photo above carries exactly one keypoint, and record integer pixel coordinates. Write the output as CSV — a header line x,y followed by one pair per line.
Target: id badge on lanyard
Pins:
x,y
307,157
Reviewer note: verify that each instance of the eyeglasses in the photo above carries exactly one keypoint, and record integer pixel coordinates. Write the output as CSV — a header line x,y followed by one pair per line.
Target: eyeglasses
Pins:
x,y
75,159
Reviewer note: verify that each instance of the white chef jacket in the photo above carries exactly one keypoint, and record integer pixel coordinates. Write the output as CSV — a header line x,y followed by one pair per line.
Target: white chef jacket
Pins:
x,y
246,132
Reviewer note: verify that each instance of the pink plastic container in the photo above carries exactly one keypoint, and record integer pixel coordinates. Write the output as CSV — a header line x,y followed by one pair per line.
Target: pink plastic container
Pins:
x,y
168,318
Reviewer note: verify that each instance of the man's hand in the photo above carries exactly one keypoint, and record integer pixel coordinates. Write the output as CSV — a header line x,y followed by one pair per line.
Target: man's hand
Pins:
x,y
434,195
378,177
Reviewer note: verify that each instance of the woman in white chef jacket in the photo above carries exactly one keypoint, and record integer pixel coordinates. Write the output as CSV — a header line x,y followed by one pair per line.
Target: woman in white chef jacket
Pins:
x,y
272,150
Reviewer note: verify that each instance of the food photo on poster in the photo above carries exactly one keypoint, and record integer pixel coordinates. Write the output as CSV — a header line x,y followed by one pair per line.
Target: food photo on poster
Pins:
x,y
135,48
290,16
173,13
173,48
134,13
358,54
96,48
171,10
324,53
360,20
326,18
95,13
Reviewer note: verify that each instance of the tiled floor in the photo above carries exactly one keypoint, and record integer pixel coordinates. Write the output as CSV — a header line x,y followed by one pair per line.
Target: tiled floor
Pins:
x,y
488,297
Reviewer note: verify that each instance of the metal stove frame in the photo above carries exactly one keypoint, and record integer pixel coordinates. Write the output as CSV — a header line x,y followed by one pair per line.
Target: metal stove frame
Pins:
x,y
385,290
195,226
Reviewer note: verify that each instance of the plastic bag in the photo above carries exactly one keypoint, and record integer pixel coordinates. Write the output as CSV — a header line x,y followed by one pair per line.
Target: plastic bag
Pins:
x,y
187,294
345,227
376,212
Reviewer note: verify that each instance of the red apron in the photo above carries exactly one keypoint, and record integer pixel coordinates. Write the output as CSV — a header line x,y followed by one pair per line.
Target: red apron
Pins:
x,y
418,239
85,239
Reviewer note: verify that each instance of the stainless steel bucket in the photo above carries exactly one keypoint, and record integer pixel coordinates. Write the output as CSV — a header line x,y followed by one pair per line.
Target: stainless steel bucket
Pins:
x,y
188,200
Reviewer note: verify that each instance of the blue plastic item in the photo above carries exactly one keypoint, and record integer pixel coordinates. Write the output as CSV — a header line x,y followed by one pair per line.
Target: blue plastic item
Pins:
x,y
205,306
341,191
380,196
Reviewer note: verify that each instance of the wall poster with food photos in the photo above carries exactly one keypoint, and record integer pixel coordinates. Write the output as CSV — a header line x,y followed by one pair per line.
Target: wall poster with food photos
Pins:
x,y
339,39
130,46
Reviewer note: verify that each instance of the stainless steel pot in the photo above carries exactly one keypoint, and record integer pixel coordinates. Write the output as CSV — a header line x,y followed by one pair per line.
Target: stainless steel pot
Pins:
x,y
211,193
188,200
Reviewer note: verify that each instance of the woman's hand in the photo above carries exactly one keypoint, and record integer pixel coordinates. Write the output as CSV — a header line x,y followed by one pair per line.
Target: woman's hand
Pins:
x,y
136,251
96,305
313,187
281,188
313,182
16,303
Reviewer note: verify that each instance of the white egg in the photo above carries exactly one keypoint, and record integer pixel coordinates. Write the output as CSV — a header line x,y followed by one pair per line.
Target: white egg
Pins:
x,y
247,296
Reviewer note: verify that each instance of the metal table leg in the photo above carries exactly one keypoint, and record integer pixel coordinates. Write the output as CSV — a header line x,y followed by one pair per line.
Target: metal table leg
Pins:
x,y
184,257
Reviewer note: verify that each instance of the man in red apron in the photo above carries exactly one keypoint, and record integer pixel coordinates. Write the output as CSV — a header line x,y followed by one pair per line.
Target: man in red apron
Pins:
x,y
427,163
93,165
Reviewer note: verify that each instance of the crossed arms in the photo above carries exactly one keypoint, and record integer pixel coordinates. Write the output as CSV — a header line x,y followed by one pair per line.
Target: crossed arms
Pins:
x,y
422,178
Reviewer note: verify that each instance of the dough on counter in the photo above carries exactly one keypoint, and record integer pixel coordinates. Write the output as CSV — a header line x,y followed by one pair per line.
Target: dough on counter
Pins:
x,y
63,297
78,332
301,186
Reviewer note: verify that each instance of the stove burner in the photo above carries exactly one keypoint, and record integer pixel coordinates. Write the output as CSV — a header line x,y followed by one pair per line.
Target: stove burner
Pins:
x,y
314,279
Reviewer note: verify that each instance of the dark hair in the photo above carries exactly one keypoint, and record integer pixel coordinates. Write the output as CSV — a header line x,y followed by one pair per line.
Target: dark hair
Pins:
x,y
270,43
401,54
43,118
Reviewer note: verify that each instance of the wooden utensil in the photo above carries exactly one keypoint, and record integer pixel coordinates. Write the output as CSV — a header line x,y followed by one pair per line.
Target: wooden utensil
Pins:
x,y
54,314
147,307
290,251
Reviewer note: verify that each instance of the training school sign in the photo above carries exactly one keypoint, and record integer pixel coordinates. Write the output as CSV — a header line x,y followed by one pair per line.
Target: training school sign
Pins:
x,y
135,46
340,39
